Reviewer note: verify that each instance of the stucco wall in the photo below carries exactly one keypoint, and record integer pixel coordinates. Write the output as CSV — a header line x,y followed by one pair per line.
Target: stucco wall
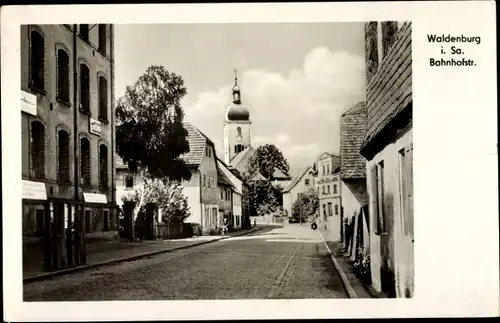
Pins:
x,y
191,190
208,167
354,196
230,137
392,210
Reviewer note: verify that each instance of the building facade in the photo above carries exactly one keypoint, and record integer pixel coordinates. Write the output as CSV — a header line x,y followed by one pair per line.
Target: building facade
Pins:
x,y
201,190
388,148
67,124
328,187
225,201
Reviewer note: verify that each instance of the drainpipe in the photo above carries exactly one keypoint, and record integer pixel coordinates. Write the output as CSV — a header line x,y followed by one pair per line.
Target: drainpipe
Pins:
x,y
75,112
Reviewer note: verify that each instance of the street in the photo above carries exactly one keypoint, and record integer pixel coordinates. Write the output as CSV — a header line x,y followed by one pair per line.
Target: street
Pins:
x,y
289,262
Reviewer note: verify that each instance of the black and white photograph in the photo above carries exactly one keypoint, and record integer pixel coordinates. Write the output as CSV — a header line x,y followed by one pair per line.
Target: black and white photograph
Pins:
x,y
249,161
217,161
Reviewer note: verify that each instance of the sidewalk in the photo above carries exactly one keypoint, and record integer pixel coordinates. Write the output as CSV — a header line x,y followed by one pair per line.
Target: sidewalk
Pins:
x,y
354,287
107,253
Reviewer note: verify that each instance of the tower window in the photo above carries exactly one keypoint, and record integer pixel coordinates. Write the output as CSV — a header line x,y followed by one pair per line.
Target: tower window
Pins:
x,y
85,161
84,88
103,98
84,32
62,75
37,60
239,148
102,39
37,149
103,166
239,131
63,158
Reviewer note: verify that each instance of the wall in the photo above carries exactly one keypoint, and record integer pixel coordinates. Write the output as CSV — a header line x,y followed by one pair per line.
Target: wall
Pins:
x,y
191,190
237,211
393,249
230,140
354,195
208,167
56,115
120,182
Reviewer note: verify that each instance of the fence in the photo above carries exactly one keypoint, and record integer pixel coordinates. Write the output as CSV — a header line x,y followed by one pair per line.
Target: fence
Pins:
x,y
171,230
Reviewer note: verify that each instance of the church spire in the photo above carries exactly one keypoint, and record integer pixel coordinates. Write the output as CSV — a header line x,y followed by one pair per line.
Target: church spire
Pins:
x,y
236,89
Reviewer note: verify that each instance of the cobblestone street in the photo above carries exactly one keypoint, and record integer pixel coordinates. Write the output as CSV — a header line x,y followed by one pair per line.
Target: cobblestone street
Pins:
x,y
288,262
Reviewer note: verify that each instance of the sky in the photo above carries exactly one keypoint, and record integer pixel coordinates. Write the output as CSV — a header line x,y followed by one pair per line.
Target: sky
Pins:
x,y
295,79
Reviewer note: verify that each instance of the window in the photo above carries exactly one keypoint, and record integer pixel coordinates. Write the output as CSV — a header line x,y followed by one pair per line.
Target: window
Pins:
x,y
103,98
328,189
63,161
84,32
239,131
238,148
380,197
37,149
37,61
328,168
334,188
324,170
221,194
330,208
103,166
63,75
324,210
323,189
307,181
204,181
102,39
129,181
336,209
105,220
209,181
84,88
85,161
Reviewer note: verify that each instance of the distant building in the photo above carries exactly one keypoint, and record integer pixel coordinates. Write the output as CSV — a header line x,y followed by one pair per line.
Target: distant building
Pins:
x,y
388,148
68,125
304,180
202,189
328,187
225,201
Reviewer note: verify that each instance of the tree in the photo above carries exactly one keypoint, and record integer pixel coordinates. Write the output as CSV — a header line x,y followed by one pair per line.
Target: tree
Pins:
x,y
166,194
150,136
266,159
308,202
264,197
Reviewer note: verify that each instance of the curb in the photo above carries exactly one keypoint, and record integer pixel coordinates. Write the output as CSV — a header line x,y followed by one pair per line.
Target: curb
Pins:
x,y
345,280
116,261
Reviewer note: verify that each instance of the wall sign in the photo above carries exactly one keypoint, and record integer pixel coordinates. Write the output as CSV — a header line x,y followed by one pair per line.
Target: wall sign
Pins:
x,y
95,198
95,126
328,180
28,102
34,190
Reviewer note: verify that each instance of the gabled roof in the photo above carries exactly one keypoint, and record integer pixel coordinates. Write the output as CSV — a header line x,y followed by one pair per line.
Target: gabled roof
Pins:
x,y
197,145
240,160
222,179
352,132
297,178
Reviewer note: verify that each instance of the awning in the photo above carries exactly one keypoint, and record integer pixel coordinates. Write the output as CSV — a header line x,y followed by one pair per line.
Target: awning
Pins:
x,y
95,198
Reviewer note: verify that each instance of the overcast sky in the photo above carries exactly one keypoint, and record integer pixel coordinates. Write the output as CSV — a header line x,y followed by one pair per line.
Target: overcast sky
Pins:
x,y
296,79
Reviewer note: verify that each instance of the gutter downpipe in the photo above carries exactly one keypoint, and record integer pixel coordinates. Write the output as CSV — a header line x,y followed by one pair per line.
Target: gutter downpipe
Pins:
x,y
75,112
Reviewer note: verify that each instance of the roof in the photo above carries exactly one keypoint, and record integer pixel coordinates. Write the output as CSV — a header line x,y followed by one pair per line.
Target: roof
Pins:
x,y
197,145
240,160
222,179
352,132
296,179
389,91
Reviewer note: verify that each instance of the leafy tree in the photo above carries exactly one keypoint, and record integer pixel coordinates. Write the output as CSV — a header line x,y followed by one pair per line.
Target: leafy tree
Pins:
x,y
167,195
308,202
264,197
266,159
150,136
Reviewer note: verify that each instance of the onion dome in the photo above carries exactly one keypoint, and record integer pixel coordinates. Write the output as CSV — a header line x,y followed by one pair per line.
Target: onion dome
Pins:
x,y
237,112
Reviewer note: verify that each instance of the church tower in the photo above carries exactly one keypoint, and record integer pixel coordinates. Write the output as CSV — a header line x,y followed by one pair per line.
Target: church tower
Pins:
x,y
237,126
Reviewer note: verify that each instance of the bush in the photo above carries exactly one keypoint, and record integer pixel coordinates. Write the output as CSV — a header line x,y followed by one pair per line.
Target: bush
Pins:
x,y
362,265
